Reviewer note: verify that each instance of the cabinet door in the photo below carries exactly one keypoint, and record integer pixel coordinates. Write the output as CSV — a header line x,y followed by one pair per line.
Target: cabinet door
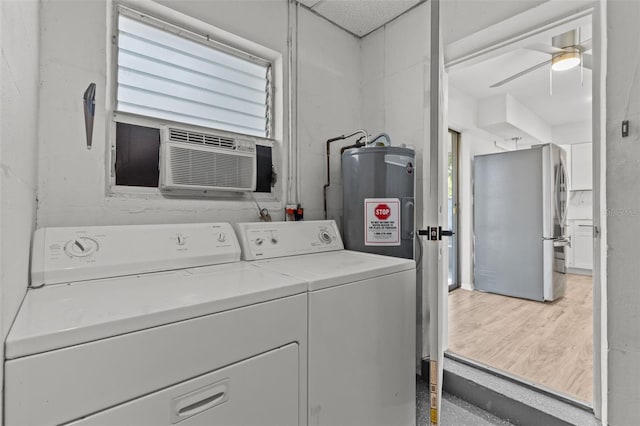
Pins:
x,y
581,167
583,244
260,391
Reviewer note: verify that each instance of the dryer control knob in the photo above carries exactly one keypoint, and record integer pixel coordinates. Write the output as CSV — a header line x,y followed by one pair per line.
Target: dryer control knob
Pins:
x,y
222,237
80,247
259,241
325,237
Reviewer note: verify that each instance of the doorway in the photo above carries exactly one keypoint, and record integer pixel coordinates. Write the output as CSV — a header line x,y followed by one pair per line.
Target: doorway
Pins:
x,y
452,207
499,316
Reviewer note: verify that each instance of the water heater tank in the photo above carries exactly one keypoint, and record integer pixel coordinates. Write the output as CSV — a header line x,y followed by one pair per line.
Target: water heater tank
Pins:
x,y
378,200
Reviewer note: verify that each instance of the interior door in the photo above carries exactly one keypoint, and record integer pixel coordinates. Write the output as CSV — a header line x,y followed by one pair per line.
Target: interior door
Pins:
x,y
435,198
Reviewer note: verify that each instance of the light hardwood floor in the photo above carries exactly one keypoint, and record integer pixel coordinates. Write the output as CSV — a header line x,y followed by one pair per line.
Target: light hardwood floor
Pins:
x,y
546,343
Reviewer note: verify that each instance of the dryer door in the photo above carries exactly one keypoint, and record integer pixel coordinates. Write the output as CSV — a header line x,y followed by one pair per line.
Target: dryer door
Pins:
x,y
262,390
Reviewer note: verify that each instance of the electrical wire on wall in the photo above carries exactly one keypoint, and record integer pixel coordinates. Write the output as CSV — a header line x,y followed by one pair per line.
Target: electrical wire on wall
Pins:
x,y
295,101
264,213
293,181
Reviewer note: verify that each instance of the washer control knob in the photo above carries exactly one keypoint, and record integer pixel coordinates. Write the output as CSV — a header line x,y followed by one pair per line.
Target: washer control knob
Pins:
x,y
81,247
180,240
274,240
222,237
325,237
259,241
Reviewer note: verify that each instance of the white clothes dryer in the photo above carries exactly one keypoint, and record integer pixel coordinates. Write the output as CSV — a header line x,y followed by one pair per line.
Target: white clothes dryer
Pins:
x,y
362,321
155,325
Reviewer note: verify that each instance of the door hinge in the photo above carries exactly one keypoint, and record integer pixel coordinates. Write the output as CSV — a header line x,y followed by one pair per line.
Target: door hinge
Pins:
x,y
434,233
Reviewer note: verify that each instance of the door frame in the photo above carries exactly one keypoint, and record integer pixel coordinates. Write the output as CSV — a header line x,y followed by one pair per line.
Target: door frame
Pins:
x,y
455,157
512,33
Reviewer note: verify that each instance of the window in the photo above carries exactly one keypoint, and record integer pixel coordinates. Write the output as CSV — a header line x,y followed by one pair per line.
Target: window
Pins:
x,y
171,77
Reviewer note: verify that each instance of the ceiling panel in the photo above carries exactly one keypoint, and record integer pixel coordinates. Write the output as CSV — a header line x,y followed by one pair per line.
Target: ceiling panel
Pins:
x,y
360,16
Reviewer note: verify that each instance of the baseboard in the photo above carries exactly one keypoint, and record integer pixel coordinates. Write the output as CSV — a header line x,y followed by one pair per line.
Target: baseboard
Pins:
x,y
580,271
466,286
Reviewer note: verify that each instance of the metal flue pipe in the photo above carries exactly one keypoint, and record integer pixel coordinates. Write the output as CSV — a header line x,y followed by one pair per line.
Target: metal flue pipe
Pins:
x,y
329,142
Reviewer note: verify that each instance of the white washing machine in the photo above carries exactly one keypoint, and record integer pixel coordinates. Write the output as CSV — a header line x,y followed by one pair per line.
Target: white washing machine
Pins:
x,y
155,325
361,321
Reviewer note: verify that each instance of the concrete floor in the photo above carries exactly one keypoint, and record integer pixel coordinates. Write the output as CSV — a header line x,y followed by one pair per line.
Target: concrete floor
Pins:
x,y
455,412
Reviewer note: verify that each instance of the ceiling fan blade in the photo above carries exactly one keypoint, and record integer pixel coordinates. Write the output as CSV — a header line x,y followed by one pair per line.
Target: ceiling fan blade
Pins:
x,y
520,74
544,48
586,45
587,61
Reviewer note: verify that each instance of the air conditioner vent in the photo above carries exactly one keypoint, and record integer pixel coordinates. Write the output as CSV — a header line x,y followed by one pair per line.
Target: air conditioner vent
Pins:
x,y
187,136
206,162
202,168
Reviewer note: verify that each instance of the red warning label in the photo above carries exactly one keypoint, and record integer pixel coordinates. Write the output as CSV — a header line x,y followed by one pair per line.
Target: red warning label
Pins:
x,y
382,222
382,211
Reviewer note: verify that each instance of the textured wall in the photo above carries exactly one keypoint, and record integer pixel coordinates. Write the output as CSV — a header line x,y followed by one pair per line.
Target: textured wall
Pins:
x,y
328,94
75,51
623,211
19,38
395,98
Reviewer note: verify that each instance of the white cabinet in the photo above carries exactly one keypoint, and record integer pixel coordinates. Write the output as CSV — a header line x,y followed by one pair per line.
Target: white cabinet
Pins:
x,y
580,254
581,167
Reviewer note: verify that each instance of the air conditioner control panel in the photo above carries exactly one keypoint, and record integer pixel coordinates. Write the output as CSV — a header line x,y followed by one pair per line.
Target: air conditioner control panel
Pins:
x,y
266,240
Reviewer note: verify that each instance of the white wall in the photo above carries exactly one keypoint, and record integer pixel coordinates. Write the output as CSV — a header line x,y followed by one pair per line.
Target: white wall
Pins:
x,y
570,133
395,84
463,113
507,117
74,53
328,106
394,98
19,39
73,180
395,70
623,205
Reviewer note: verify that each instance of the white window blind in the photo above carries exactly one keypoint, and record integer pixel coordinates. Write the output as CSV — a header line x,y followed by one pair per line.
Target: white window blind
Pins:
x,y
168,76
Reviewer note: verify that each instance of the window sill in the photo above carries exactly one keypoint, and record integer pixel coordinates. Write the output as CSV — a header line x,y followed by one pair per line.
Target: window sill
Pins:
x,y
229,199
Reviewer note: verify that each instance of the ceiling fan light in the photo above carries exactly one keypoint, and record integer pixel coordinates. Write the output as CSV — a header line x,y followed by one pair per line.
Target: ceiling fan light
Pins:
x,y
565,61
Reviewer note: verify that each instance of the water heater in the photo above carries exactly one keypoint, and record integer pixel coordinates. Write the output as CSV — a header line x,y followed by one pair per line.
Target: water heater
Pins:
x,y
378,200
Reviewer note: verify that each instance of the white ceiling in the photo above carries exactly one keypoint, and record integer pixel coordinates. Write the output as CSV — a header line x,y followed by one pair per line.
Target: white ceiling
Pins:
x,y
571,98
360,17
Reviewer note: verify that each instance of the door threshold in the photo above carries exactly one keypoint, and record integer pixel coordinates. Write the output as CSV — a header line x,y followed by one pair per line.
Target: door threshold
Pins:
x,y
509,398
520,381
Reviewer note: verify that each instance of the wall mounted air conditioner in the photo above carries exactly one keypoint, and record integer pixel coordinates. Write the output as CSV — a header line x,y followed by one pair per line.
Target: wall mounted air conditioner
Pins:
x,y
197,161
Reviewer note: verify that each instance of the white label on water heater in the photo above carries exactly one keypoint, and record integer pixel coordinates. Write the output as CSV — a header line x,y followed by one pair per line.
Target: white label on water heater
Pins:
x,y
381,222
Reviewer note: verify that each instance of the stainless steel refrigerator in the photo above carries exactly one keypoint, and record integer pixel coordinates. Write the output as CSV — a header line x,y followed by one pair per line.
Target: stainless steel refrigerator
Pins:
x,y
520,206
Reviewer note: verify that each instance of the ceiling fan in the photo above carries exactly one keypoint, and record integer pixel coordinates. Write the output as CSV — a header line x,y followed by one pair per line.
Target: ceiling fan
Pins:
x,y
566,52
